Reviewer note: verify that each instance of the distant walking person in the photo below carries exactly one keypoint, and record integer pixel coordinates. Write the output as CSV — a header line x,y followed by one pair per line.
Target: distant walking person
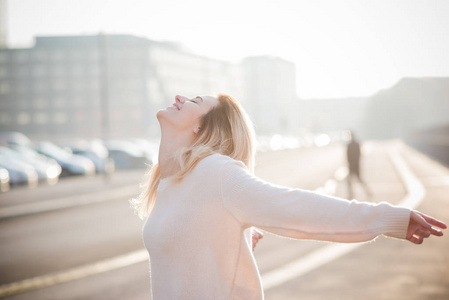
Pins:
x,y
353,156
202,196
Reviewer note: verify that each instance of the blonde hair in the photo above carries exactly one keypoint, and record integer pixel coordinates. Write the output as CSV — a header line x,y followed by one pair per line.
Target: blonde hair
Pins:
x,y
226,129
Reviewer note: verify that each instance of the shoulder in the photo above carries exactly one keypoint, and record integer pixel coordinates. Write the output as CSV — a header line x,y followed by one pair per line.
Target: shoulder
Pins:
x,y
218,160
215,163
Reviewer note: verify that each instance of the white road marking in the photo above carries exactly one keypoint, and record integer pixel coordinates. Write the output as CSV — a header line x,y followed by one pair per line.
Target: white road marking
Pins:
x,y
436,181
415,189
313,260
66,202
74,273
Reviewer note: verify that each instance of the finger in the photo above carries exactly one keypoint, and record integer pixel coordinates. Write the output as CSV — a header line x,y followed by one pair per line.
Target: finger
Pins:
x,y
416,240
420,240
422,233
416,216
433,221
411,230
436,232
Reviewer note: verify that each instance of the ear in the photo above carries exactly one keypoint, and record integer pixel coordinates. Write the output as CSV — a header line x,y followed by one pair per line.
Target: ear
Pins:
x,y
196,130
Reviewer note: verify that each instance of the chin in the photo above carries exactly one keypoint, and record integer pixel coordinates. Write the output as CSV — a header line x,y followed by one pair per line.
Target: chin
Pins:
x,y
160,113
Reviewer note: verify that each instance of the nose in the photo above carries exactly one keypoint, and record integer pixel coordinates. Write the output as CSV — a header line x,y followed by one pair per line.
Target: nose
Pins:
x,y
180,99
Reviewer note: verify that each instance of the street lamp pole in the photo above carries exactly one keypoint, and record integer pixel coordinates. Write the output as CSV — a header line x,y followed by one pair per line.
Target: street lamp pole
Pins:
x,y
104,93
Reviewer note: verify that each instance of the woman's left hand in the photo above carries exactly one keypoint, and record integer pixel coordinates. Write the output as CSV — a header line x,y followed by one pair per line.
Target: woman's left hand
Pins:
x,y
420,227
256,236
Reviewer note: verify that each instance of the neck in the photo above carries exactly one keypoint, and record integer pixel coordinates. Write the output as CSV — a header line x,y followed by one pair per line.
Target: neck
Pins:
x,y
170,144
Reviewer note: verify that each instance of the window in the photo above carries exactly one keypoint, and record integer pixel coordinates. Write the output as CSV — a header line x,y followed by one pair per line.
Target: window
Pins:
x,y
21,71
5,118
40,118
58,55
78,85
22,88
59,84
76,55
21,56
77,70
59,102
93,69
23,118
39,86
80,117
91,55
39,70
94,85
3,72
39,55
4,88
40,103
58,70
4,57
60,118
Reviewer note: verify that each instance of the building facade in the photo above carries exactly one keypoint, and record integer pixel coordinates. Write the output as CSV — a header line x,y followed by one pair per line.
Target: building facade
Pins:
x,y
270,94
111,86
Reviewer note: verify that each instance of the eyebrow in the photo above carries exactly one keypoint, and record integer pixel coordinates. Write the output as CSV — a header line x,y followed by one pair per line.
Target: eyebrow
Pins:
x,y
200,98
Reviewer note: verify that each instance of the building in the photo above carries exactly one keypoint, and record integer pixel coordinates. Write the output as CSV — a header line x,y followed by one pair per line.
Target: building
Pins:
x,y
328,115
108,86
3,24
270,94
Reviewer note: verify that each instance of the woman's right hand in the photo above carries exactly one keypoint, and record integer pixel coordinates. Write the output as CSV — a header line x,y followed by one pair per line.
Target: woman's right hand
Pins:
x,y
420,227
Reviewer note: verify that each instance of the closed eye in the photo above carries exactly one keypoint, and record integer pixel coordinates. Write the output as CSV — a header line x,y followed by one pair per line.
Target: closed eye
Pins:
x,y
195,101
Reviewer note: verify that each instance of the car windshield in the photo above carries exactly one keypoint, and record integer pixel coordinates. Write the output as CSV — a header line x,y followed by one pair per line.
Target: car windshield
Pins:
x,y
24,150
53,151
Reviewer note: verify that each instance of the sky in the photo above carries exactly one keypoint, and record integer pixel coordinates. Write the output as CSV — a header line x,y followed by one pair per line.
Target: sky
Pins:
x,y
341,48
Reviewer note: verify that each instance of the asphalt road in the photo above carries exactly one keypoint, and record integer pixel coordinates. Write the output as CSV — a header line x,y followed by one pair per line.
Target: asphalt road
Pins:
x,y
100,225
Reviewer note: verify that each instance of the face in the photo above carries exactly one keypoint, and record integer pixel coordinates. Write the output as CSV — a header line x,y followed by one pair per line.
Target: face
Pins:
x,y
185,113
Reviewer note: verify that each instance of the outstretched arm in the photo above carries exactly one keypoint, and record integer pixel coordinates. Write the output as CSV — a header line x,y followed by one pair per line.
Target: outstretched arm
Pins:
x,y
303,214
421,227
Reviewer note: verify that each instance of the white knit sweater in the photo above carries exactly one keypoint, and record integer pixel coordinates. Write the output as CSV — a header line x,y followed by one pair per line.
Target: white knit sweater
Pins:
x,y
195,233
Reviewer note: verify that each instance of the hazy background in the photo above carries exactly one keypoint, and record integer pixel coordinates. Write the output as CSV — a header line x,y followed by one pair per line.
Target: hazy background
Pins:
x,y
340,48
80,85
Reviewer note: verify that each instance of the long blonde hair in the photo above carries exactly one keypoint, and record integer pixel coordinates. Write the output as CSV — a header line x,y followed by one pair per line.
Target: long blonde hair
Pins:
x,y
225,129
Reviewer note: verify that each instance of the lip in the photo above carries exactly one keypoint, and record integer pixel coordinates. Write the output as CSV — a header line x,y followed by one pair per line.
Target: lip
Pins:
x,y
175,105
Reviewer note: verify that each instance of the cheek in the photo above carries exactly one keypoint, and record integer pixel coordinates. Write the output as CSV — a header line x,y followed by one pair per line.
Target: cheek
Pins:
x,y
188,120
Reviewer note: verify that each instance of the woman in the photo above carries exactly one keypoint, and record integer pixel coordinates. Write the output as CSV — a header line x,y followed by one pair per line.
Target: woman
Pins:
x,y
207,196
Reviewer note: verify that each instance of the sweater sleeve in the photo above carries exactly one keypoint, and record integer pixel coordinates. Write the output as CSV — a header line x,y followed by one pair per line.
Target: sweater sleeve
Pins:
x,y
304,214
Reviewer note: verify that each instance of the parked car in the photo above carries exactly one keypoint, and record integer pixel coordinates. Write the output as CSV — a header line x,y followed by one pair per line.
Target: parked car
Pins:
x,y
47,169
151,149
71,164
14,138
4,180
127,155
19,172
95,151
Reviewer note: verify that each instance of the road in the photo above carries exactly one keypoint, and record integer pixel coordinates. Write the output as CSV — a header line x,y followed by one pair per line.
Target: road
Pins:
x,y
80,222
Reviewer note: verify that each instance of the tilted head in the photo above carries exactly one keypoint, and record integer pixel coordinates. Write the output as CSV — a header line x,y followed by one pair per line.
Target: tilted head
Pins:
x,y
214,125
